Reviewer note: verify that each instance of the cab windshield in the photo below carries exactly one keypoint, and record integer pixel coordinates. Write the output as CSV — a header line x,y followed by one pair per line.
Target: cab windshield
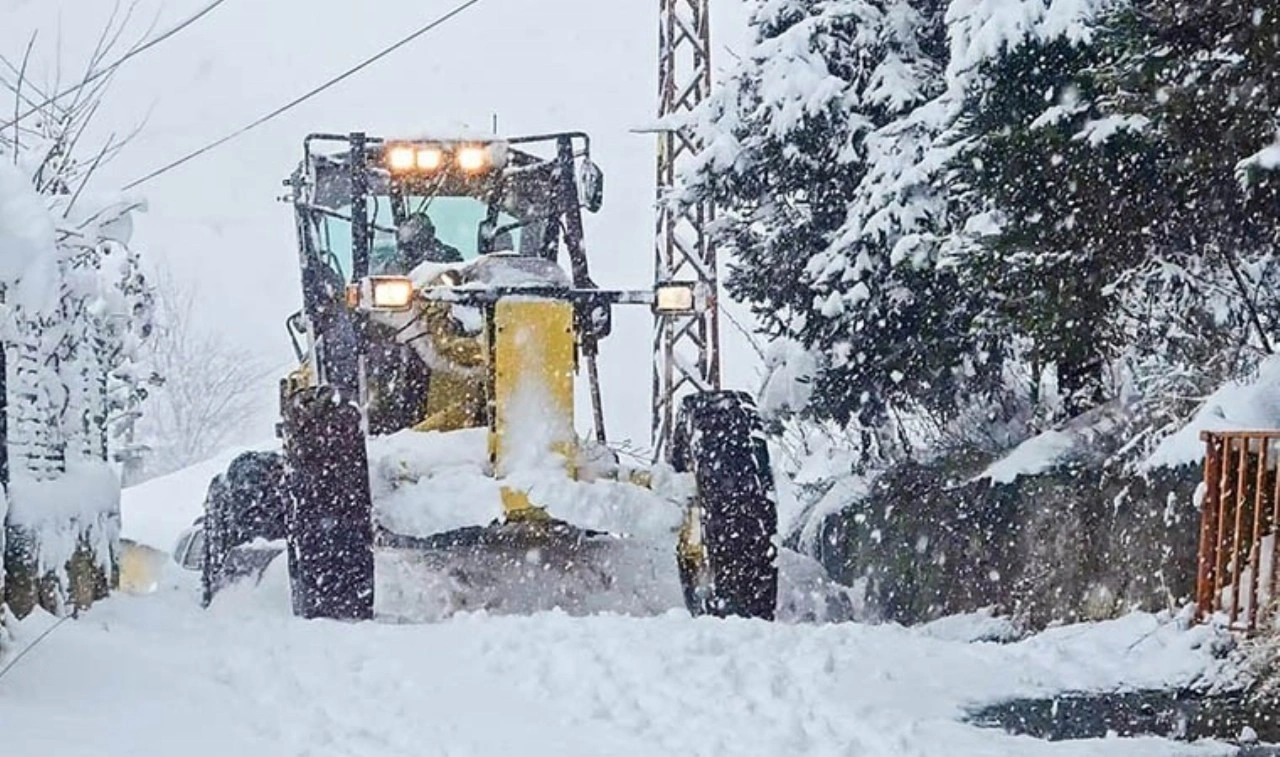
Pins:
x,y
454,226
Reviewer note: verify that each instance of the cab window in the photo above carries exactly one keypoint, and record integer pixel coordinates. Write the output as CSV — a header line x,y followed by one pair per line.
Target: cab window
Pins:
x,y
457,224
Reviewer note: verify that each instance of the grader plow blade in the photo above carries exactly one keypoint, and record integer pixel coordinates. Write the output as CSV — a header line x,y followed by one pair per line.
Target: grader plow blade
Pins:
x,y
522,568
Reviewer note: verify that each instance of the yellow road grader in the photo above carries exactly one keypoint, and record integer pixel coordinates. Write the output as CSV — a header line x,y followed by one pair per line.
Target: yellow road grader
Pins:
x,y
446,286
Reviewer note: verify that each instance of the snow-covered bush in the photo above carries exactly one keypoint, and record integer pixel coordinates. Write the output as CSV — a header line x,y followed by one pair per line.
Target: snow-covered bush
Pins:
x,y
76,309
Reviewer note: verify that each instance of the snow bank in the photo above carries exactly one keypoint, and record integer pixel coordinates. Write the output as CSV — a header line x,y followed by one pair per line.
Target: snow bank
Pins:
x,y
1083,437
1248,404
1034,456
982,625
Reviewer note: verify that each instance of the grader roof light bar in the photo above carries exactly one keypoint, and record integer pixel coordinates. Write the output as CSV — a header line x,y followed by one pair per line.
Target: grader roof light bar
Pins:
x,y
397,293
469,158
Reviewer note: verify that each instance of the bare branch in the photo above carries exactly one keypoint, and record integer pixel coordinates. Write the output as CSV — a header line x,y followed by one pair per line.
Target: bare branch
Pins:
x,y
135,51
17,103
84,180
1230,261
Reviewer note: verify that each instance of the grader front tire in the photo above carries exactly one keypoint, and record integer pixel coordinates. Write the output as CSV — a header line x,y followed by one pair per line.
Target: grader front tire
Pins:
x,y
330,513
727,556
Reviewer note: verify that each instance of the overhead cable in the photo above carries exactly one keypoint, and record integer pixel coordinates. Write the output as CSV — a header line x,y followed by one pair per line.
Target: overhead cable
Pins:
x,y
307,96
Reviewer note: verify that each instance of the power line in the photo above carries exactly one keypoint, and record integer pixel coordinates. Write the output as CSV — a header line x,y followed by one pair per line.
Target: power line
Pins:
x,y
94,76
32,645
303,98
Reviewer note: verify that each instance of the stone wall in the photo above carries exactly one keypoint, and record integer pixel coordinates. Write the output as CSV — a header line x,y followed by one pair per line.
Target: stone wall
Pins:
x,y
1077,542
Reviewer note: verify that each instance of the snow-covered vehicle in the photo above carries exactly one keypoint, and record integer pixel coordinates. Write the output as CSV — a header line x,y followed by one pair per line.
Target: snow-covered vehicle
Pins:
x,y
446,287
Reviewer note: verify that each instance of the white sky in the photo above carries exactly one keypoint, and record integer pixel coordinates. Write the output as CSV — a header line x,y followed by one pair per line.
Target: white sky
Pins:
x,y
541,65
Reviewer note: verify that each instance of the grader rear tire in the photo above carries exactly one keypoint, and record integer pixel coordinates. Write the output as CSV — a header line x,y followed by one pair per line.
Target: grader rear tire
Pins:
x,y
718,439
245,503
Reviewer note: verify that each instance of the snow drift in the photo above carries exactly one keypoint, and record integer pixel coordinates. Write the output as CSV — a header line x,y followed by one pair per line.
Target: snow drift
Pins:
x,y
427,484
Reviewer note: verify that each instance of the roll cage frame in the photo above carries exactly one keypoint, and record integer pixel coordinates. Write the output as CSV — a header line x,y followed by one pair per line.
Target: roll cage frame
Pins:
x,y
335,336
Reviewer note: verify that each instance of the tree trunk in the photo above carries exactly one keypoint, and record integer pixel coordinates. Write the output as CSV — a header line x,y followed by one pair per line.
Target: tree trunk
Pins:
x,y
26,589
1080,385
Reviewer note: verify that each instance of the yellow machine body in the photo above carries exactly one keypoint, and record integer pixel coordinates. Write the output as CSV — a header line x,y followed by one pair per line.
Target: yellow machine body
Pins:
x,y
533,354
518,372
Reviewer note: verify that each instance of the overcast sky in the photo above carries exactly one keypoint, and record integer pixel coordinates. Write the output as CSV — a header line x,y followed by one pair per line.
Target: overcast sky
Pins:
x,y
540,65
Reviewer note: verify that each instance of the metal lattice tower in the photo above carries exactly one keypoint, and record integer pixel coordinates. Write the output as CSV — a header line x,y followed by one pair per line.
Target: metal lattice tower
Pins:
x,y
687,347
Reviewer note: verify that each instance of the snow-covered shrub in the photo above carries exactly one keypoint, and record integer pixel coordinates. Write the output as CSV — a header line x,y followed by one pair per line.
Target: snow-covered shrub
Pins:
x,y
77,307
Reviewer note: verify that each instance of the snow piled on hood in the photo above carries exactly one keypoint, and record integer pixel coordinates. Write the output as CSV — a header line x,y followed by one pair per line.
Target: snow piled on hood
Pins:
x,y
157,511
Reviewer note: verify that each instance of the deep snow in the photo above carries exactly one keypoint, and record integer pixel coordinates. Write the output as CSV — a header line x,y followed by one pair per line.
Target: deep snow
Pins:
x,y
425,484
156,675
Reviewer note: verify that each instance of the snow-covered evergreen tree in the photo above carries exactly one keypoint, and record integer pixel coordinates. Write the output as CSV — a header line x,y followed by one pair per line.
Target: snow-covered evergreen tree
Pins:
x,y
831,226
1121,244
1060,188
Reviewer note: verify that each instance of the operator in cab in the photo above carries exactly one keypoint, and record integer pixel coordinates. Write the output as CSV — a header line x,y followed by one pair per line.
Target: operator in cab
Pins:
x,y
419,243
416,243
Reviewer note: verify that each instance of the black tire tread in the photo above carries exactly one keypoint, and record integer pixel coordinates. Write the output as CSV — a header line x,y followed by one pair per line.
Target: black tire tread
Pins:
x,y
719,439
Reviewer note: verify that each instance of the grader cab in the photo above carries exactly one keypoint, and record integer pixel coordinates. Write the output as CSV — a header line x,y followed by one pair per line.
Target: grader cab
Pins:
x,y
446,286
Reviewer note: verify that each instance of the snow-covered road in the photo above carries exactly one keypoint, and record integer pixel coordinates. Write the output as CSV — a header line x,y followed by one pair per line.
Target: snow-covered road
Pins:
x,y
156,675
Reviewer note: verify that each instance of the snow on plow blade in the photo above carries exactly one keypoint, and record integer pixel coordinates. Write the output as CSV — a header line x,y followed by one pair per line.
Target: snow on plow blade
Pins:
x,y
521,568
503,569
441,546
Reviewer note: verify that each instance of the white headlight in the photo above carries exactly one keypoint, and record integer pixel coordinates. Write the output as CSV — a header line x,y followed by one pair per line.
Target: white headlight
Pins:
x,y
430,158
390,292
472,158
674,298
401,158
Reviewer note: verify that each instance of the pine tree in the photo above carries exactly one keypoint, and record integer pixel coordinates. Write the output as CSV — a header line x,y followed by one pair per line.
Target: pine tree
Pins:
x,y
1119,233
815,142
1065,190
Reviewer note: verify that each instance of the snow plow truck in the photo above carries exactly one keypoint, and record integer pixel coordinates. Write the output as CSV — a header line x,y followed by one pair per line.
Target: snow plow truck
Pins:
x,y
446,287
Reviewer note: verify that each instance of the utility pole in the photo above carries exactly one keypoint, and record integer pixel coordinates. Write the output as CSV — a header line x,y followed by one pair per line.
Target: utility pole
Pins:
x,y
686,347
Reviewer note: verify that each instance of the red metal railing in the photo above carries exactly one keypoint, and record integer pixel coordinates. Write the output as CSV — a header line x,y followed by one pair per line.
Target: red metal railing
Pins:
x,y
1237,573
